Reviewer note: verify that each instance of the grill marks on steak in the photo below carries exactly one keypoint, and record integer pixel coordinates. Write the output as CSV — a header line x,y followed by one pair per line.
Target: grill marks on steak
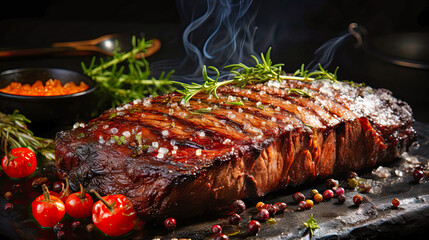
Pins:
x,y
168,156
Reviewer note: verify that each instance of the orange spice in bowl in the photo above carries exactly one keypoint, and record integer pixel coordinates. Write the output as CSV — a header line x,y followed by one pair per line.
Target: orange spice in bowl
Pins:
x,y
52,87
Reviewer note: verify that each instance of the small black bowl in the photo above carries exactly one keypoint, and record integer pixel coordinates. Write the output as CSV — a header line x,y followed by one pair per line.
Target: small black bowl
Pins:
x,y
48,114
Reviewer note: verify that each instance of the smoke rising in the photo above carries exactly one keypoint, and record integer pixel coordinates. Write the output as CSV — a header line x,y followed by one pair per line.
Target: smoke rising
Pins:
x,y
217,33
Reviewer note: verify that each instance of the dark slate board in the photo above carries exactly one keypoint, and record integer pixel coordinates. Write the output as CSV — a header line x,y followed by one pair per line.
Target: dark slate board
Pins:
x,y
374,219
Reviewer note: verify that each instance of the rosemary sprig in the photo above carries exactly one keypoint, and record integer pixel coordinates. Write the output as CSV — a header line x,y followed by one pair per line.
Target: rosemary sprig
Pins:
x,y
125,78
210,85
262,72
14,133
305,75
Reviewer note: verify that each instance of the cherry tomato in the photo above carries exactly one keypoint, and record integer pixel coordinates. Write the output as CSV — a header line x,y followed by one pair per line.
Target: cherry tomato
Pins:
x,y
20,163
79,204
47,210
114,215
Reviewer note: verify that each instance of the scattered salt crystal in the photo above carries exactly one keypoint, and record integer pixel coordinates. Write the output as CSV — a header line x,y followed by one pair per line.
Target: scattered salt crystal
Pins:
x,y
101,140
382,172
105,127
120,113
231,98
174,152
137,101
273,119
126,134
163,150
198,152
226,141
399,173
258,104
146,102
172,142
175,147
170,111
155,144
277,109
119,108
114,130
201,133
126,106
160,155
240,110
184,103
164,133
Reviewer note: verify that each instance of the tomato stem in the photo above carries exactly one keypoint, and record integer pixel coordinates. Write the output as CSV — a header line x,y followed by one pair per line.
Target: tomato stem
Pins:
x,y
46,193
65,192
109,206
81,195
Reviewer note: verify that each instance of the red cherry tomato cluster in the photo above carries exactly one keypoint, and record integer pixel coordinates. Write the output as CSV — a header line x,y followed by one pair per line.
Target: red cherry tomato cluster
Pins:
x,y
114,215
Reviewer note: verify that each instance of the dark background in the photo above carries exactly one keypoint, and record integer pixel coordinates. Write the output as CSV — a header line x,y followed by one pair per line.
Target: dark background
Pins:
x,y
294,28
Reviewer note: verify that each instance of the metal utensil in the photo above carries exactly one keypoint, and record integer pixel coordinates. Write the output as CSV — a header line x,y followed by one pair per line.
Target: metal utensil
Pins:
x,y
103,45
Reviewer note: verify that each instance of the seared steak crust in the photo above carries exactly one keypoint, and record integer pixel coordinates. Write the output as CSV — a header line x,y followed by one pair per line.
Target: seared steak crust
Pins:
x,y
167,157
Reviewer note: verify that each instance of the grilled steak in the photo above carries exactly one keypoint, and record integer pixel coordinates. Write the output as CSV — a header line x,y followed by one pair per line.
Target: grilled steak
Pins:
x,y
180,160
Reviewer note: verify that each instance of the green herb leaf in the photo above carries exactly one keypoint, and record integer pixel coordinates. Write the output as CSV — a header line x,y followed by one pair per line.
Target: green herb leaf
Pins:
x,y
243,75
124,78
311,225
201,111
14,133
236,103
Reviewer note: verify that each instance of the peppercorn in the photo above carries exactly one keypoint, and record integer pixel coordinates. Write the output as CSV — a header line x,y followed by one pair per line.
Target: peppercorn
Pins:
x,y
238,206
331,183
75,225
302,205
57,186
418,174
271,209
328,194
298,197
339,191
260,206
309,204
234,219
170,224
90,227
351,175
395,202
253,227
216,229
341,198
221,236
281,206
318,198
60,234
314,192
58,227
263,215
353,183
8,195
8,206
357,200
